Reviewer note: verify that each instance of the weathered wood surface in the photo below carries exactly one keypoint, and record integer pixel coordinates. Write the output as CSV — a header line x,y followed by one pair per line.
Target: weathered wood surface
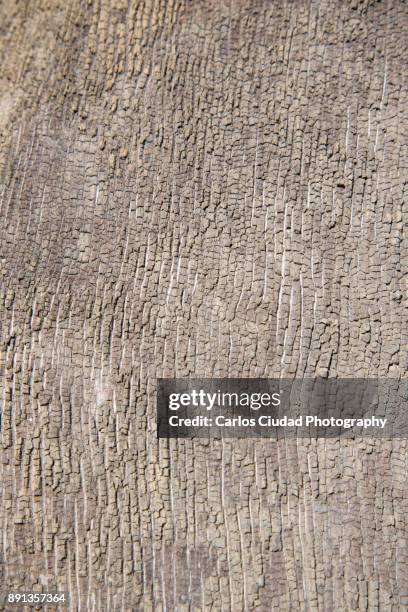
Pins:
x,y
199,188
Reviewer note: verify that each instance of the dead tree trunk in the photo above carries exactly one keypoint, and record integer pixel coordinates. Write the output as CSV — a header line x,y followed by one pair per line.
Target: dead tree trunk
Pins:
x,y
199,188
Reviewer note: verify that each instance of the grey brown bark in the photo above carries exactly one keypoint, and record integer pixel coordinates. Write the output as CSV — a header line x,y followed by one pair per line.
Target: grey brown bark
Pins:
x,y
199,188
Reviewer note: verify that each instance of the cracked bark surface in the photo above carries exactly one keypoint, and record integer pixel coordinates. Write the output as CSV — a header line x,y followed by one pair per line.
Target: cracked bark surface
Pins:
x,y
199,188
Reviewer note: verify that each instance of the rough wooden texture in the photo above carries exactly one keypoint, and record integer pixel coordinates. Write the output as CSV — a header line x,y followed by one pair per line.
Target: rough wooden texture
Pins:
x,y
213,189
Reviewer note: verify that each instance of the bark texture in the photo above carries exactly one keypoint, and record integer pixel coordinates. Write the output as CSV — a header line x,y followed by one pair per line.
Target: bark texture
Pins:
x,y
199,188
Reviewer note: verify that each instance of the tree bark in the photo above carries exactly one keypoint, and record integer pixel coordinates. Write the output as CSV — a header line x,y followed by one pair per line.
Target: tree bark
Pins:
x,y
199,188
